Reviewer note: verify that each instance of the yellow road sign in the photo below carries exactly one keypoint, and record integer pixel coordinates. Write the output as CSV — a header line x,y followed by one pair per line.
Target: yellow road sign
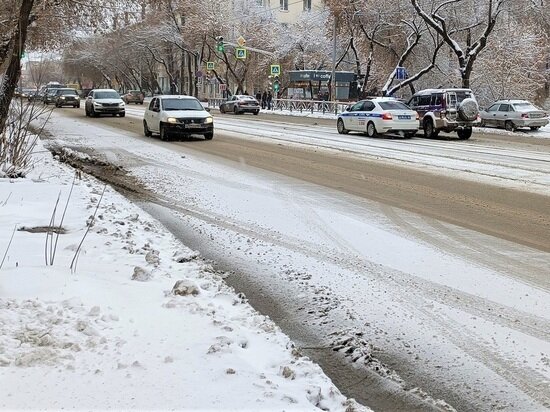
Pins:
x,y
241,41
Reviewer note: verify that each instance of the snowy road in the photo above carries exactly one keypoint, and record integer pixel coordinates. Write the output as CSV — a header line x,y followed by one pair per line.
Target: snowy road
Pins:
x,y
453,313
522,168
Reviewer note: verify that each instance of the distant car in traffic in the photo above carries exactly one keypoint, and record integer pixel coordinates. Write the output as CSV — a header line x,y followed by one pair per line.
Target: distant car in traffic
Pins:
x,y
177,116
512,114
133,96
66,97
240,103
48,92
34,95
22,92
378,115
104,101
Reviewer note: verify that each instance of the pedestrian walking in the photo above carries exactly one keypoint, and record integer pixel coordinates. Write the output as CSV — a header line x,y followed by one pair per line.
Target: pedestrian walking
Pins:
x,y
264,99
259,96
269,100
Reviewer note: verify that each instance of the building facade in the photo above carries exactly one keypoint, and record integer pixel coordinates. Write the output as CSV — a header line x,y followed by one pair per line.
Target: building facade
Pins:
x,y
288,11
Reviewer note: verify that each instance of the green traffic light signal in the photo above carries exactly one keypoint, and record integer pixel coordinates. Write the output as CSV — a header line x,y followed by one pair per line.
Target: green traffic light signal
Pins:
x,y
276,84
220,46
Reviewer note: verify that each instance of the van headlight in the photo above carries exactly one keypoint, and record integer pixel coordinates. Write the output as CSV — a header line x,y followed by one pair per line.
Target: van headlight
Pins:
x,y
172,120
121,104
208,120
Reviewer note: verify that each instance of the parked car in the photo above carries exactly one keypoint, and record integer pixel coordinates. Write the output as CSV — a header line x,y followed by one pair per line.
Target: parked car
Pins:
x,y
133,96
66,97
104,101
446,110
512,114
240,103
378,115
177,115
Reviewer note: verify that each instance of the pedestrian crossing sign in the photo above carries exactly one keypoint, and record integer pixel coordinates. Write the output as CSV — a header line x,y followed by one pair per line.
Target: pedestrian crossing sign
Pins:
x,y
275,69
209,65
240,53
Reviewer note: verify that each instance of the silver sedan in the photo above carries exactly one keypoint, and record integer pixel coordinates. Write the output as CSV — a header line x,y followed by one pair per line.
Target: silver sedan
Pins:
x,y
512,114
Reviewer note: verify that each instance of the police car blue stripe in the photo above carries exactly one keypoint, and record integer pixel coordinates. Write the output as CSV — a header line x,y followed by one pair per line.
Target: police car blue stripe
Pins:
x,y
361,115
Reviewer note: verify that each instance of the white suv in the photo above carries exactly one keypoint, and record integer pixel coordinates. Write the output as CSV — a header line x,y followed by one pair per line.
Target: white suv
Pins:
x,y
446,110
177,115
104,101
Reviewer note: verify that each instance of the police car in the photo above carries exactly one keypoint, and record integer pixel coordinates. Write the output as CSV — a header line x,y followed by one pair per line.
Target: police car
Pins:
x,y
379,115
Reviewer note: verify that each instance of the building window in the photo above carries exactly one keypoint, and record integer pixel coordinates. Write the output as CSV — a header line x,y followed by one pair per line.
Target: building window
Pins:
x,y
307,5
284,5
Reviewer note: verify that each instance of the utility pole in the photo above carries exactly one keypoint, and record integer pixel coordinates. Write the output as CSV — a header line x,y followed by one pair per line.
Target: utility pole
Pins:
x,y
333,76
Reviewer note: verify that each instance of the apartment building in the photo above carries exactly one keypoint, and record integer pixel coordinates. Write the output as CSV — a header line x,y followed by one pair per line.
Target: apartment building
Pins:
x,y
288,11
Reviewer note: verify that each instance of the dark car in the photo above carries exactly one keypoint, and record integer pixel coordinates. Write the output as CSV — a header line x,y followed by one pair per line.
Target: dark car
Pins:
x,y
66,97
49,92
133,96
240,103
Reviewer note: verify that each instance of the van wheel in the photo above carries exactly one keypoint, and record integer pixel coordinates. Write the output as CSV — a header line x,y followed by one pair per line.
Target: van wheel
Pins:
x,y
209,136
464,134
535,127
429,130
371,129
340,127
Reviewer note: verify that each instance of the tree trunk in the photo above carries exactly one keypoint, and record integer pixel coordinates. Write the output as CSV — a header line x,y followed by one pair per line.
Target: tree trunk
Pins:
x,y
13,70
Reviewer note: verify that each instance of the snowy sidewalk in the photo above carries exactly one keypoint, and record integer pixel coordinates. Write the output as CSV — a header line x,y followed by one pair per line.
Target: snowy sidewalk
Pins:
x,y
114,334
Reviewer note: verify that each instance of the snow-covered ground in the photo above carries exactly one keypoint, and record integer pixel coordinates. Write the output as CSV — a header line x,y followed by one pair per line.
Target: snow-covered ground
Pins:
x,y
473,310
112,332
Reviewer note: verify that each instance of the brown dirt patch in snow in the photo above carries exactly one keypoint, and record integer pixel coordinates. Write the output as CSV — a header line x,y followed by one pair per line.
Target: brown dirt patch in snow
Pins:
x,y
43,229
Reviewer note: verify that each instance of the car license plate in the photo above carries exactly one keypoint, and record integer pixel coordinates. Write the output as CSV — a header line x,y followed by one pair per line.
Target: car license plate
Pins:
x,y
193,126
404,117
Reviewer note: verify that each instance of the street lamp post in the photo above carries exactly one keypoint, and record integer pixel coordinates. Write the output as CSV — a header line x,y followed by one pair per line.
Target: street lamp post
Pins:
x,y
333,76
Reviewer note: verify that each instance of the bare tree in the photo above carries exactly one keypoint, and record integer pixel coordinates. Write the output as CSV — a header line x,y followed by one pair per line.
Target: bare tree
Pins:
x,y
467,55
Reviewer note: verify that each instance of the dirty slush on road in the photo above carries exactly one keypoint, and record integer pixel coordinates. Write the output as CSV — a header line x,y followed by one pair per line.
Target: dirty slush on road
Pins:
x,y
348,359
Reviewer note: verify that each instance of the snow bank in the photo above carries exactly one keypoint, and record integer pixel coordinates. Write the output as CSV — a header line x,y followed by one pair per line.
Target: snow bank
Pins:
x,y
141,322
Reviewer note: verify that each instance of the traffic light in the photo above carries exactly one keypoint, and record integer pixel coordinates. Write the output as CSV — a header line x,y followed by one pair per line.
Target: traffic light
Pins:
x,y
276,84
219,45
